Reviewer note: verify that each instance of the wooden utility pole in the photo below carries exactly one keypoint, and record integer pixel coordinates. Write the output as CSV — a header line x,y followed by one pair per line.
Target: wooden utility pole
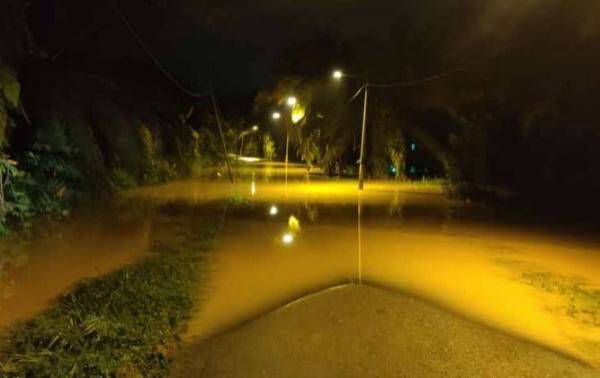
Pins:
x,y
216,109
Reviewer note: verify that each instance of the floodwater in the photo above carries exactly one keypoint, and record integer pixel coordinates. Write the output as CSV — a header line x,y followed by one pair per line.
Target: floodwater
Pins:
x,y
94,242
280,242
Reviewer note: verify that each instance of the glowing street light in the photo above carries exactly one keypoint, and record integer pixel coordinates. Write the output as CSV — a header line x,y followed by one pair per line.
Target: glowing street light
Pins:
x,y
292,101
339,75
243,135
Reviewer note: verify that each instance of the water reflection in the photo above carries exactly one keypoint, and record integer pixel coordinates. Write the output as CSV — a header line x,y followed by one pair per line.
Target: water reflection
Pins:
x,y
281,242
273,211
360,239
405,237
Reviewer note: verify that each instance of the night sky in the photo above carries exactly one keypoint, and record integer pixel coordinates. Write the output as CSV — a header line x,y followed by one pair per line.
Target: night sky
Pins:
x,y
235,44
240,41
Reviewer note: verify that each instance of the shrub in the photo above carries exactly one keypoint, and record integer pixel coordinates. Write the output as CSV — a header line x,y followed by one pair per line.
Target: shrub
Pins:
x,y
14,204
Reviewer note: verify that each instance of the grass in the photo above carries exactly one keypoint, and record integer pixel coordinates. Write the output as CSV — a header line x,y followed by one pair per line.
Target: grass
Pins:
x,y
120,325
581,302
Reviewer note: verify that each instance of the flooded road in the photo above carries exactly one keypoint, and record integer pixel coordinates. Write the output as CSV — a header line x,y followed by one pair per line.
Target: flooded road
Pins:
x,y
280,243
93,243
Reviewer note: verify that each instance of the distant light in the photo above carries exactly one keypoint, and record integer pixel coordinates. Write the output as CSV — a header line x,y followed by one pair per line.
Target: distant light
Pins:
x,y
338,74
276,116
249,159
292,101
413,147
273,211
253,189
287,238
255,128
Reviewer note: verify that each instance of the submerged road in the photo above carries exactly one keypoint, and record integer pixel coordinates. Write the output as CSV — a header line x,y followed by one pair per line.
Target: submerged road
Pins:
x,y
529,281
532,290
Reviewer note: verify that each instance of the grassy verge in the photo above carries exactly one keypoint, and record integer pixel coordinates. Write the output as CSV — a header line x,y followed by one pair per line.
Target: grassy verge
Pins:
x,y
578,301
123,324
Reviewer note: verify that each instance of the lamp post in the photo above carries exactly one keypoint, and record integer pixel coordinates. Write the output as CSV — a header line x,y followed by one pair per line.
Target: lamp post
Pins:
x,y
339,75
253,129
291,102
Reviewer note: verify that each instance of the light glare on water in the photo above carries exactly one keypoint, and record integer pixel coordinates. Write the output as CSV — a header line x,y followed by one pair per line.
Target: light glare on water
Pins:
x,y
410,238
281,242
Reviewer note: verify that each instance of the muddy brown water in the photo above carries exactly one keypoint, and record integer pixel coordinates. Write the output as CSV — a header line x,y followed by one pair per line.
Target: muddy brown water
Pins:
x,y
94,242
280,242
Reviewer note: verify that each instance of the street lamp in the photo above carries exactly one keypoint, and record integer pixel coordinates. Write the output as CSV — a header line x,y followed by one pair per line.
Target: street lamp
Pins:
x,y
339,75
253,129
292,101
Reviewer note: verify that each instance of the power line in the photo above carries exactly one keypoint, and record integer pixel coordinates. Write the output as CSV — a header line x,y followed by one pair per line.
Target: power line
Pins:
x,y
139,40
441,75
412,83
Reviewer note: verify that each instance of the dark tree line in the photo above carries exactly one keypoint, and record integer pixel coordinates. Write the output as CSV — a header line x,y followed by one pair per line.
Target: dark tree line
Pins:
x,y
519,116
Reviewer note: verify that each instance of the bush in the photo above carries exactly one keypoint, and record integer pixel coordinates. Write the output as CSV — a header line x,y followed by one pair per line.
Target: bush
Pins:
x,y
120,179
15,205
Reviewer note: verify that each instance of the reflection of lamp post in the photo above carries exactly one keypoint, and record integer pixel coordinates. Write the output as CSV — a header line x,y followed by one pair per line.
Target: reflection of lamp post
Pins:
x,y
339,75
253,129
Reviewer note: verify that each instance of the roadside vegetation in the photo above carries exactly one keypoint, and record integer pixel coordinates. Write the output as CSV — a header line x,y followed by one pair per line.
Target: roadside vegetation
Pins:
x,y
124,324
575,300
578,301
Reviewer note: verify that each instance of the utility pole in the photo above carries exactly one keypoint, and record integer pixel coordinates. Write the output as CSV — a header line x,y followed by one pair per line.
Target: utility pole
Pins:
x,y
361,167
216,109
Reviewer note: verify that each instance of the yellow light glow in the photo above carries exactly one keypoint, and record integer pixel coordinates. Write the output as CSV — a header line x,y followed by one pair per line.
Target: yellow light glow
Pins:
x,y
276,116
287,238
338,74
298,113
255,128
249,159
294,225
253,189
292,101
273,211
